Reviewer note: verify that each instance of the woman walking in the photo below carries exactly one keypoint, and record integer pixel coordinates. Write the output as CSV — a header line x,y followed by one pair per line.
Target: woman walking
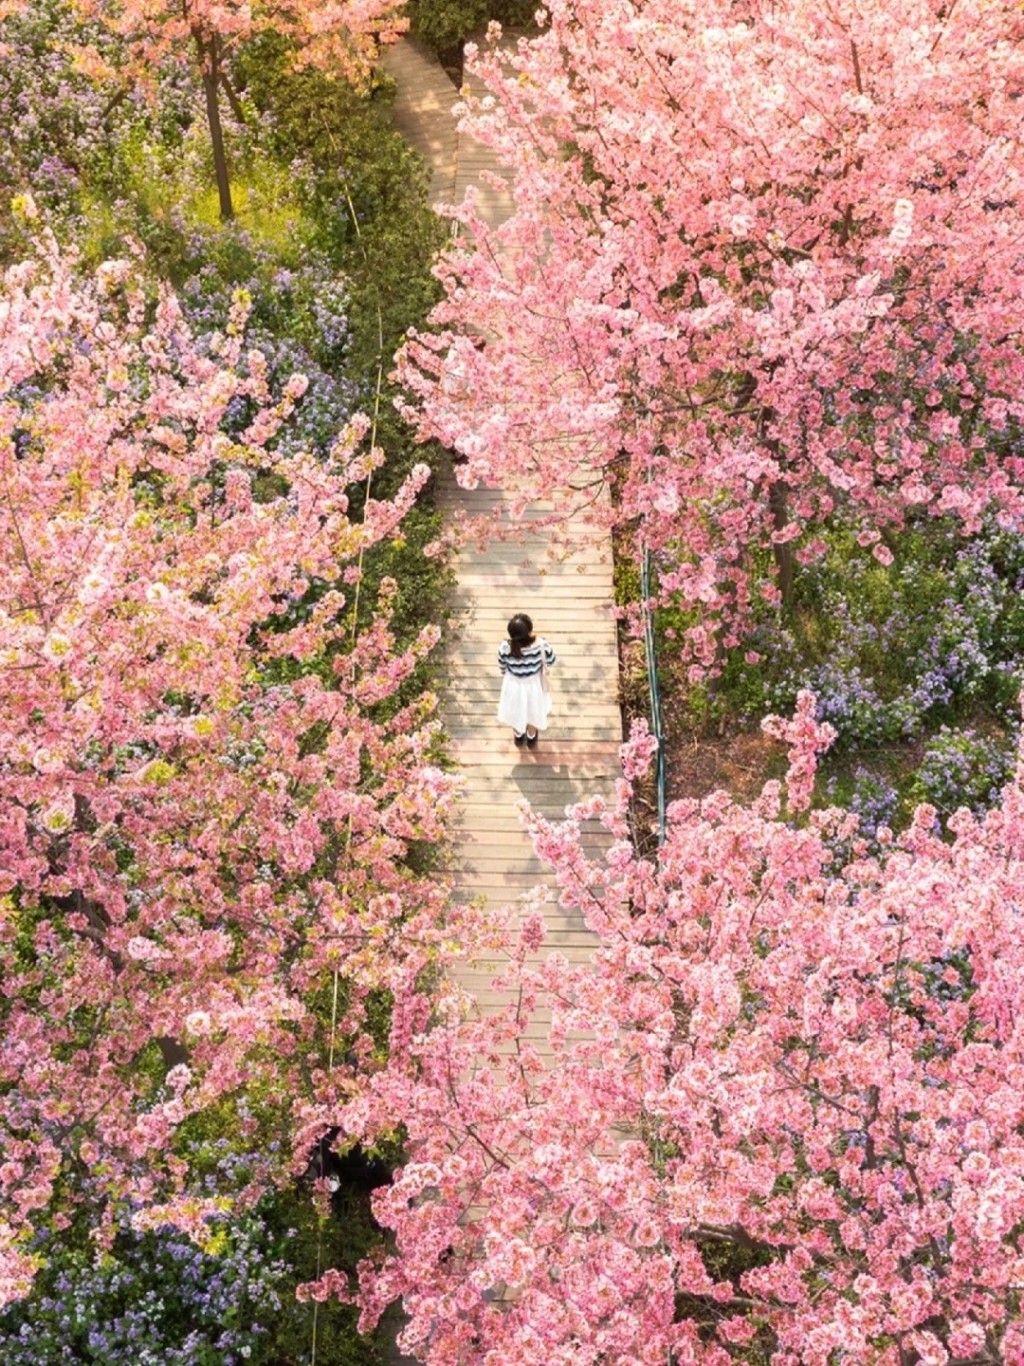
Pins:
x,y
524,660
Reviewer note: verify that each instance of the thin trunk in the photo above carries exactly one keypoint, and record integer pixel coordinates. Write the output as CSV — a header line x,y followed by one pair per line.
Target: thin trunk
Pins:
x,y
210,68
778,504
118,97
778,501
233,100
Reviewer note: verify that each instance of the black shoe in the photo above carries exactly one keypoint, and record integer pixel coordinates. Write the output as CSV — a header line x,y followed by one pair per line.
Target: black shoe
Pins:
x,y
518,738
531,740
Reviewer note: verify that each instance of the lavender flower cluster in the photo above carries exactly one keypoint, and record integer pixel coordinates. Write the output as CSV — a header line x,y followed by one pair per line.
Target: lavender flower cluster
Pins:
x,y
963,768
64,135
922,653
156,1299
894,660
53,120
872,797
299,322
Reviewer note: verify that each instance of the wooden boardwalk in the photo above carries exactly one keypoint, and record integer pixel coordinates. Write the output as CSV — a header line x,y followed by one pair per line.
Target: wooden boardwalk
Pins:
x,y
569,601
423,112
423,115
568,598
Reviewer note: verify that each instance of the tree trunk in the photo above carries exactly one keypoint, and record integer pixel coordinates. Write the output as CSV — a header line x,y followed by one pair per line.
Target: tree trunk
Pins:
x,y
778,501
118,97
210,67
232,94
172,1051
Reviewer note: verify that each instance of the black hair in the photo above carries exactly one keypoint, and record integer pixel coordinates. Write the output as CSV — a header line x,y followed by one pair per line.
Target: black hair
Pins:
x,y
520,633
352,1174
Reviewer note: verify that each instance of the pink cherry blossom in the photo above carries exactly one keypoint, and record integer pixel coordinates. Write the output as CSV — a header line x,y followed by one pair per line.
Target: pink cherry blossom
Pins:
x,y
203,815
779,1112
764,268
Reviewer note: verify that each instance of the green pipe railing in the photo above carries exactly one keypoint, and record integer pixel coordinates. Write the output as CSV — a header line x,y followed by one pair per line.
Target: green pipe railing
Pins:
x,y
655,695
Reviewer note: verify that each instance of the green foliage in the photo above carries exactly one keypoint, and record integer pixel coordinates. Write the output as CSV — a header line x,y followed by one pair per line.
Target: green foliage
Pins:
x,y
423,583
160,1299
314,1239
626,578
963,768
445,24
366,202
916,664
890,651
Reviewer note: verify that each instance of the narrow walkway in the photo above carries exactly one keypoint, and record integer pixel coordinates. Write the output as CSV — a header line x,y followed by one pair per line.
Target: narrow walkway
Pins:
x,y
423,115
423,112
569,600
576,756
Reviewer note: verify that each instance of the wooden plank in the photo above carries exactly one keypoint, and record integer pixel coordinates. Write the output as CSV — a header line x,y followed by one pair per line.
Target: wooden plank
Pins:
x,y
570,725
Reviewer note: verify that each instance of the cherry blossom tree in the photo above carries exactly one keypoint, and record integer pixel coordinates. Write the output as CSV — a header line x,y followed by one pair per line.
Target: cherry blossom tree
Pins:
x,y
208,787
765,266
778,1119
340,36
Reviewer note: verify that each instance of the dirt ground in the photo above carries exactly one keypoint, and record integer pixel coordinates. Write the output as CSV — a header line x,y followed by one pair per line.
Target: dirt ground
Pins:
x,y
699,759
741,763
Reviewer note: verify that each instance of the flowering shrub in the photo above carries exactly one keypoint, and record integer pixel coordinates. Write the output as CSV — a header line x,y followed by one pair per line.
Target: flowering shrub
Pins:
x,y
963,768
778,1114
57,128
895,655
108,170
155,1299
104,169
299,322
223,1298
207,793
872,799
741,343
889,652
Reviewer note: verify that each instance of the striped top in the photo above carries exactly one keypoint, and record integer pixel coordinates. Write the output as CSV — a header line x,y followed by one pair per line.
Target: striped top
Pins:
x,y
529,661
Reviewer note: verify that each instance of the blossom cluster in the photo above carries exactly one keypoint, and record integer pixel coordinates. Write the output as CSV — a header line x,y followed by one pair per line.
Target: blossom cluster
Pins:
x,y
67,137
872,799
206,811
963,768
341,36
777,1114
686,309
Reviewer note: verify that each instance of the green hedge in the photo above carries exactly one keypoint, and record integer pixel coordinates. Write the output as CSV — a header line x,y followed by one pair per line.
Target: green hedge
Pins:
x,y
446,24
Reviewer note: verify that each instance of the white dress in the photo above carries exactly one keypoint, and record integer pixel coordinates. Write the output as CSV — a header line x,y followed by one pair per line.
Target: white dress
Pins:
x,y
524,703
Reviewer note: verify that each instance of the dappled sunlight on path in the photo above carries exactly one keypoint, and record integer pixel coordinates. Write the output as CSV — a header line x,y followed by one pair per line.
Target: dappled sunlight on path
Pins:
x,y
569,597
